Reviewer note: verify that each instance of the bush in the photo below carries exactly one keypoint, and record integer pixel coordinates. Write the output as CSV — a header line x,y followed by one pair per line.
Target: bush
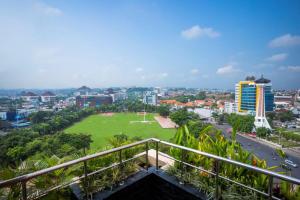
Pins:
x,y
262,132
291,136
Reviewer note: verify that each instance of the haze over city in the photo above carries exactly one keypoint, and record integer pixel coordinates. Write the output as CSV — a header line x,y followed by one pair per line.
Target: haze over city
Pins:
x,y
203,44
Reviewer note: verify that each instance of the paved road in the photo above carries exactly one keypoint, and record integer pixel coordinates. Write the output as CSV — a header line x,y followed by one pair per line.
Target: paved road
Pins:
x,y
264,151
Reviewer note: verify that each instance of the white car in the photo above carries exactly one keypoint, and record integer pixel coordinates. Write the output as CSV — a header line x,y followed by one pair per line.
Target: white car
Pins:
x,y
289,162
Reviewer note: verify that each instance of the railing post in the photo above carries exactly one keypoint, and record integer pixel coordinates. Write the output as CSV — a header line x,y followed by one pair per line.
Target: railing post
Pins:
x,y
85,179
24,190
181,162
120,159
156,163
147,159
270,188
217,167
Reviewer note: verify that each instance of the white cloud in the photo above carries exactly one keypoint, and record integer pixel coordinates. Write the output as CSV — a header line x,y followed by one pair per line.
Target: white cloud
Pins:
x,y
290,68
139,69
285,41
45,9
194,71
227,70
197,31
278,57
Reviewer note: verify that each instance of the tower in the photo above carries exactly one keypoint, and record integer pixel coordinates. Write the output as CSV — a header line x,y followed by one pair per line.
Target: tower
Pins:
x,y
260,116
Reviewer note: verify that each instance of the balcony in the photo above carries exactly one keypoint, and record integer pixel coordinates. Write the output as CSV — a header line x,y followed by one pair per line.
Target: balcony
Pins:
x,y
157,175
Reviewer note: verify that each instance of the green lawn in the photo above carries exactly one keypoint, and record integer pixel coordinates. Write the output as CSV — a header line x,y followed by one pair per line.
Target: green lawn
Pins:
x,y
103,127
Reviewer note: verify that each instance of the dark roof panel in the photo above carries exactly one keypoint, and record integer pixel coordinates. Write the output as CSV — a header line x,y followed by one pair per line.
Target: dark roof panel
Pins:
x,y
262,80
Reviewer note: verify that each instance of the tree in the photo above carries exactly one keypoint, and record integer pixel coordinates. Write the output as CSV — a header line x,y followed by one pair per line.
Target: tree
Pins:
x,y
221,119
215,115
201,95
40,116
22,144
262,132
242,123
195,127
182,116
286,116
163,111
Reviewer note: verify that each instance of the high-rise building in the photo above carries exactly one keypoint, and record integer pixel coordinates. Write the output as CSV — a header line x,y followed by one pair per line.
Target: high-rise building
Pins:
x,y
255,97
264,102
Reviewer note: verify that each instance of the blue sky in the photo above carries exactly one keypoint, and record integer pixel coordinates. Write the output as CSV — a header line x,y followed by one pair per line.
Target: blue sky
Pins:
x,y
205,44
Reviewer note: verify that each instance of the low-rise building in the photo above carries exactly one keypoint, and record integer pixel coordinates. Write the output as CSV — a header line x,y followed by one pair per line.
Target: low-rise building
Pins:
x,y
48,97
119,96
150,98
285,101
84,101
3,116
83,90
29,96
229,107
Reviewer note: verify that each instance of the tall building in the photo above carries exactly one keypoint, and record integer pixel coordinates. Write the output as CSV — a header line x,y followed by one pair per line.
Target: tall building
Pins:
x,y
264,101
255,97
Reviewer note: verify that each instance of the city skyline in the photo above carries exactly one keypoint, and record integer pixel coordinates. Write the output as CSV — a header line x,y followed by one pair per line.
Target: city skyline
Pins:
x,y
198,44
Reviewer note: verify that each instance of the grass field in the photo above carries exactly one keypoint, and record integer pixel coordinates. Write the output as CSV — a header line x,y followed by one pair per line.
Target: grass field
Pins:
x,y
104,127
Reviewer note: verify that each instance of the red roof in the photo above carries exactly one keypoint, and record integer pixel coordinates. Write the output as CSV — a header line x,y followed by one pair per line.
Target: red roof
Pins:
x,y
168,101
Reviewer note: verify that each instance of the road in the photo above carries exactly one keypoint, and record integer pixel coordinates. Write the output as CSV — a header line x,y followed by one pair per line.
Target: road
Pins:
x,y
264,151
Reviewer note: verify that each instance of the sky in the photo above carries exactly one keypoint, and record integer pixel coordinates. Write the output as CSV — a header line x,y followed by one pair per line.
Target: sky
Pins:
x,y
166,43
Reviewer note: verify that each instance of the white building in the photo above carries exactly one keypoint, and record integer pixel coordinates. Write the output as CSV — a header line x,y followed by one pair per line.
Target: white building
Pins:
x,y
3,116
150,98
281,105
29,96
84,90
229,107
203,113
119,96
48,97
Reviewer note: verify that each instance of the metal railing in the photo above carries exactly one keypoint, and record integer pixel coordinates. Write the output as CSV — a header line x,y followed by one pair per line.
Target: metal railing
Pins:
x,y
23,180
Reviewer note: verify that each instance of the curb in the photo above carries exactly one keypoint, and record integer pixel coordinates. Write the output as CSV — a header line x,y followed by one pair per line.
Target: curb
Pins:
x,y
262,141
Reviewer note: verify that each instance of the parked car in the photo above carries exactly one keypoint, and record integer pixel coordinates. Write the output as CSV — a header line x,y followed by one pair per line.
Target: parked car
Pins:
x,y
289,162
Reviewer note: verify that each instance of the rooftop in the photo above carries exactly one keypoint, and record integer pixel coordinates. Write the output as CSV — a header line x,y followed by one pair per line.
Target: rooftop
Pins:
x,y
262,80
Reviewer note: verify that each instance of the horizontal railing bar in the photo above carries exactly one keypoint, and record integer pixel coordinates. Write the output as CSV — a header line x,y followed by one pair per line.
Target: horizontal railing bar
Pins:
x,y
81,177
225,178
247,166
190,165
67,164
242,185
112,166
